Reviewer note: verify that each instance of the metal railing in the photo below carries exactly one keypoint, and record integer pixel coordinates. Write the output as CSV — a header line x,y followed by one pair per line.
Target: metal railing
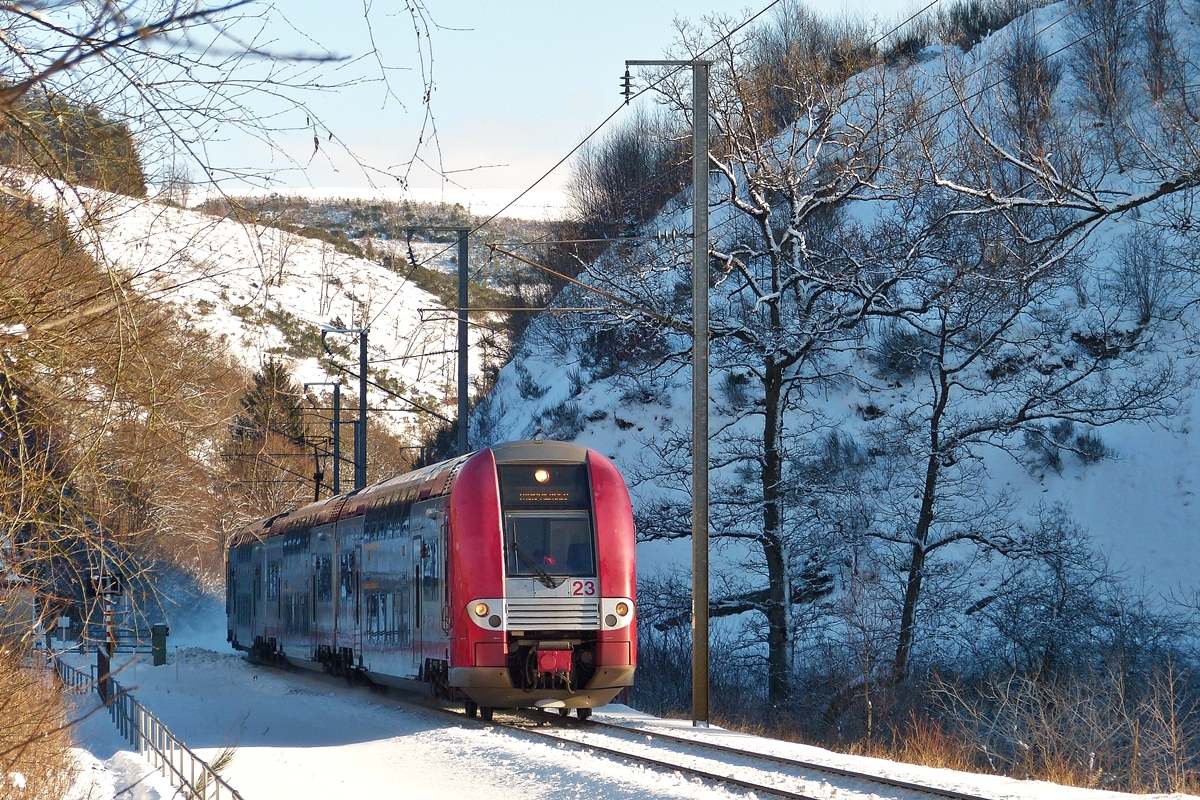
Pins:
x,y
193,778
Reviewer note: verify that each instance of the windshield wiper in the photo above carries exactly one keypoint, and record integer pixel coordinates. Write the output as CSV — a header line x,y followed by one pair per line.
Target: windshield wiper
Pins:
x,y
543,576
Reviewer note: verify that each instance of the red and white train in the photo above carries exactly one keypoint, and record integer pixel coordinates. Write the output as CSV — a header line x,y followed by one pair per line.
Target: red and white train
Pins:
x,y
506,575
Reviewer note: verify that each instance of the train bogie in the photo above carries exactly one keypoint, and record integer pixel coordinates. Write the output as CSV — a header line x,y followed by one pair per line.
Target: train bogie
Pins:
x,y
506,576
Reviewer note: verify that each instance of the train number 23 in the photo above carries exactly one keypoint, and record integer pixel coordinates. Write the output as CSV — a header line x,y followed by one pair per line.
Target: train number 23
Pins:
x,y
584,588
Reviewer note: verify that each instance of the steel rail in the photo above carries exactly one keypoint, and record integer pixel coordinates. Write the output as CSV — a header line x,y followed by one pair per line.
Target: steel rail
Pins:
x,y
785,761
642,759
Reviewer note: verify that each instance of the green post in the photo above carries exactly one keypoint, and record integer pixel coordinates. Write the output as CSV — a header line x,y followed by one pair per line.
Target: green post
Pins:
x,y
158,643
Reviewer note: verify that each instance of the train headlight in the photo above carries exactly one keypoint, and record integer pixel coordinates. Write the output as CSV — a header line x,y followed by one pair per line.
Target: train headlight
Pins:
x,y
622,609
481,609
541,475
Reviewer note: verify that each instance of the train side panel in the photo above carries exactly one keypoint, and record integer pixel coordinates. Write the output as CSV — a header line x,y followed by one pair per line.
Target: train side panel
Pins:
x,y
616,651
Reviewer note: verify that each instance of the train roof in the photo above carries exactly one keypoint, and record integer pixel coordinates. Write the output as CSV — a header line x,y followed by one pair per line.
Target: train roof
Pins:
x,y
438,478
518,452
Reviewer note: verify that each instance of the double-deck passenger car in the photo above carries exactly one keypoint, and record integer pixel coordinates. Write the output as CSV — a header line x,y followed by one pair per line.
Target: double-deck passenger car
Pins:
x,y
505,576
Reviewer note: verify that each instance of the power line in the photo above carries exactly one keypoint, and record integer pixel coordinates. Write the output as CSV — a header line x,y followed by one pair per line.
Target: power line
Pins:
x,y
576,149
663,176
417,355
724,38
388,391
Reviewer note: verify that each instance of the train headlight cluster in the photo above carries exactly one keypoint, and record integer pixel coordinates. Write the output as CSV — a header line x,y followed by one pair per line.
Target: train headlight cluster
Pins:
x,y
616,612
487,614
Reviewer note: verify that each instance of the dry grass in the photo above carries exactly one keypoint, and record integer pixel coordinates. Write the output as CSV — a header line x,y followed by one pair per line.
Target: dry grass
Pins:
x,y
35,744
925,741
1089,730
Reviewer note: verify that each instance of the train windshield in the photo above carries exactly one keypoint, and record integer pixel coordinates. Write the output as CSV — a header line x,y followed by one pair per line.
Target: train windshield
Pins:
x,y
557,543
547,520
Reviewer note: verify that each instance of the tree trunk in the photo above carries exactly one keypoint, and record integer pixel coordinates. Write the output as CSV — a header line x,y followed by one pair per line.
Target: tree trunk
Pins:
x,y
775,550
916,565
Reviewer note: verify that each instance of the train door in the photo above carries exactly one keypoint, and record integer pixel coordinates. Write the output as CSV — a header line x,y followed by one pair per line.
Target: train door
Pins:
x,y
322,588
443,566
241,572
428,538
349,535
272,622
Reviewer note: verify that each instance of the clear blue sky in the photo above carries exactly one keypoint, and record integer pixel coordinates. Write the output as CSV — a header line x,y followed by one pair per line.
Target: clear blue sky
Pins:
x,y
517,84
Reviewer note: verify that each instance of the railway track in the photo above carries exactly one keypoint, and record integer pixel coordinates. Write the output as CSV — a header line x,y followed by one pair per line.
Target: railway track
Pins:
x,y
712,762
513,722
762,773
661,735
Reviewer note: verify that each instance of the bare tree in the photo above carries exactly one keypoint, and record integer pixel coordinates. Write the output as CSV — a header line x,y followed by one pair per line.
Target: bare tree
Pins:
x,y
784,302
1031,77
113,407
1012,325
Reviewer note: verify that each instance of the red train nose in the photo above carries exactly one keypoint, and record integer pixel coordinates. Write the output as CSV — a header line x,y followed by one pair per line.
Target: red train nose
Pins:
x,y
554,660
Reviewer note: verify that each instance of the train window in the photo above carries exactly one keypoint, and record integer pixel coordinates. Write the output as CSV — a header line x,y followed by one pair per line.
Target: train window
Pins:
x,y
558,543
296,541
230,588
429,555
401,524
530,486
272,580
372,621
323,566
296,614
346,571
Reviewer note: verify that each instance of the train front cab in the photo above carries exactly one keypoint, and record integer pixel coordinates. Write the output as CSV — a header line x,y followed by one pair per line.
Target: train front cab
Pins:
x,y
542,578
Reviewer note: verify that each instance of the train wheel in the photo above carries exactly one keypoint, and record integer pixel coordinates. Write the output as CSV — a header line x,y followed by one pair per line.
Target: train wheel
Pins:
x,y
583,713
485,713
472,708
563,712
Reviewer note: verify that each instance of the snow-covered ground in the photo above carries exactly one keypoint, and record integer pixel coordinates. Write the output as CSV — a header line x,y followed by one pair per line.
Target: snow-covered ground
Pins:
x,y
299,735
108,768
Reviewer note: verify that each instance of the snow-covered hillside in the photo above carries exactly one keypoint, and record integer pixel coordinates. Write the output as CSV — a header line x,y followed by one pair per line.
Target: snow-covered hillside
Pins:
x,y
1137,502
267,292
